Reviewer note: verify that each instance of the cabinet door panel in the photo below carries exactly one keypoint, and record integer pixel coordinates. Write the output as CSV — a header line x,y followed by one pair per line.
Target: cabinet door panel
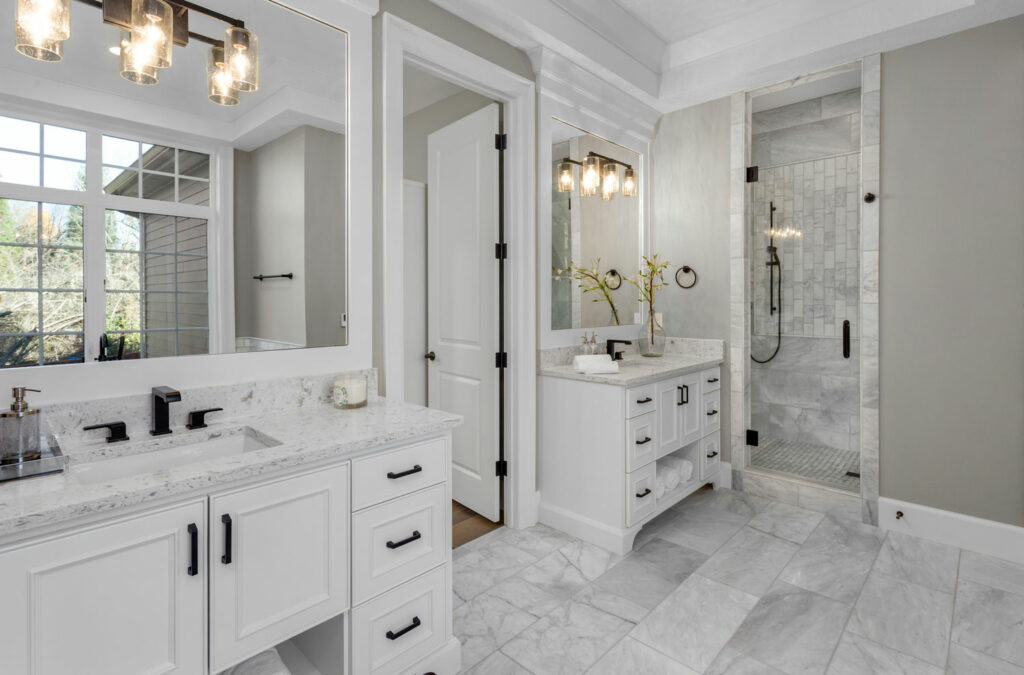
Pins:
x,y
110,600
288,565
691,411
670,429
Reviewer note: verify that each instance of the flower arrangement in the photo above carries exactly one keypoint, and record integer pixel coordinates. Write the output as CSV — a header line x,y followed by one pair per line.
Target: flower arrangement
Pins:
x,y
649,279
590,280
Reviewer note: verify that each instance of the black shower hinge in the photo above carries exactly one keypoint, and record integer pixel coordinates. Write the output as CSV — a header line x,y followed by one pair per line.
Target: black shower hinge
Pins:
x,y
501,468
501,251
751,437
751,174
501,360
500,141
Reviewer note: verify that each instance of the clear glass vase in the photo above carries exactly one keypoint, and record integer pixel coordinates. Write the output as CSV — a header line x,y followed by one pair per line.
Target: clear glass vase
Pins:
x,y
652,335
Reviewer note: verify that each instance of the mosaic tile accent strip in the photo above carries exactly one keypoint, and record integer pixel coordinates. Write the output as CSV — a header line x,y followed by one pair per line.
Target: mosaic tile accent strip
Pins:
x,y
818,463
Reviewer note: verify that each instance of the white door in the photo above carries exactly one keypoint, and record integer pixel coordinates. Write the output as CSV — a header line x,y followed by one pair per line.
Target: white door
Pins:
x,y
462,299
278,562
119,599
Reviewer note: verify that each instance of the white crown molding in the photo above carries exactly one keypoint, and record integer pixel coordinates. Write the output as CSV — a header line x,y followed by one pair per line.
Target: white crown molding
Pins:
x,y
622,29
371,7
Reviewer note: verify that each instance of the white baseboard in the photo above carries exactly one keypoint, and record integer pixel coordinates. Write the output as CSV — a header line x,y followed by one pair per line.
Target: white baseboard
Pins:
x,y
619,541
724,478
968,532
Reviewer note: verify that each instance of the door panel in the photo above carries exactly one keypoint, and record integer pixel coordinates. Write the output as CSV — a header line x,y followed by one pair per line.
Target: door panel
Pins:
x,y
463,303
692,410
670,418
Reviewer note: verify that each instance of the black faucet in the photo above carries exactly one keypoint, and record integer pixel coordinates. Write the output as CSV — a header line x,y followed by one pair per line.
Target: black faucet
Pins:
x,y
161,397
610,348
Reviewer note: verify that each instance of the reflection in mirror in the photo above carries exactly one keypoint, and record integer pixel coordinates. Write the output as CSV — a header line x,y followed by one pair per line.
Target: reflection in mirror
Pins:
x,y
595,230
161,206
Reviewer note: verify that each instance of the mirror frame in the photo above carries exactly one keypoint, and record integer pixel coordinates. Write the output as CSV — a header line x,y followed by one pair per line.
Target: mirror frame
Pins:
x,y
76,382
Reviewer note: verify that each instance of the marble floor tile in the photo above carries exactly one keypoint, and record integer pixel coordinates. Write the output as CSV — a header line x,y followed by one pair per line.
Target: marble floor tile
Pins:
x,y
733,501
702,530
484,624
480,569
733,662
860,656
750,561
606,601
538,541
793,630
650,573
787,522
592,561
568,640
990,620
964,661
556,575
630,656
919,561
497,664
695,621
994,572
835,559
906,617
523,595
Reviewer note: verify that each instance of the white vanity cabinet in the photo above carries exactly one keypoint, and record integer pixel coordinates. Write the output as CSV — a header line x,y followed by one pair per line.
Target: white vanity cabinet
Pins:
x,y
602,489
121,598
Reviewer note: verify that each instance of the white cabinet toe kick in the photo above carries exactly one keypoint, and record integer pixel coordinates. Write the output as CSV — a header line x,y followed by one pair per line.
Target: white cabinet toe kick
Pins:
x,y
348,565
615,455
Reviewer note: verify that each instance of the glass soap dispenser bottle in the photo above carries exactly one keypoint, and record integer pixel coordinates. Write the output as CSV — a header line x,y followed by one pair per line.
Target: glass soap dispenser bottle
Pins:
x,y
19,430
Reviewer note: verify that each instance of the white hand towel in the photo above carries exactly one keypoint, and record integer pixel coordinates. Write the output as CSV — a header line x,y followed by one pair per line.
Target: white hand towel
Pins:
x,y
683,467
600,368
581,361
264,663
671,478
659,488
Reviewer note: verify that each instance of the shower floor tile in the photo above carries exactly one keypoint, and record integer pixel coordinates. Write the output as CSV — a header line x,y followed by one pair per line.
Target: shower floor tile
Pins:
x,y
818,463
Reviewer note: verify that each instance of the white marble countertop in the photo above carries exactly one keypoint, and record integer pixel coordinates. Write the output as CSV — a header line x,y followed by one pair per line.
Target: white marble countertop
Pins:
x,y
635,369
307,436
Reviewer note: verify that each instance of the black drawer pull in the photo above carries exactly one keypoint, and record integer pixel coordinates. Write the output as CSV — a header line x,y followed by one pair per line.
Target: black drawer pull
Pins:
x,y
641,495
684,395
226,558
415,469
193,556
647,439
646,399
394,636
713,455
713,412
408,540
712,380
846,339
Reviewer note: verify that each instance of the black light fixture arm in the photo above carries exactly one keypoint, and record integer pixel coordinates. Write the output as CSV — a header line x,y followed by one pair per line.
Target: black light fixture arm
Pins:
x,y
192,7
609,159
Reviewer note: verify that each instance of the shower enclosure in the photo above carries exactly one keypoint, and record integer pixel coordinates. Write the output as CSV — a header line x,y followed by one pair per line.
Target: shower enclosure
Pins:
x,y
805,234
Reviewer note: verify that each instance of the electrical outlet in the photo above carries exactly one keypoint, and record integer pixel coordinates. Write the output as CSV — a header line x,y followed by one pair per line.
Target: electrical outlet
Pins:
x,y
343,321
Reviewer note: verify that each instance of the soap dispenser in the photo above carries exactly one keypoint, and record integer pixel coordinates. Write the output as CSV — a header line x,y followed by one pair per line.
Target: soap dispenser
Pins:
x,y
19,430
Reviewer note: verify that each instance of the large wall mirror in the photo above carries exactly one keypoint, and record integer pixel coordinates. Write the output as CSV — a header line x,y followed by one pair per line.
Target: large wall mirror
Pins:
x,y
172,180
595,230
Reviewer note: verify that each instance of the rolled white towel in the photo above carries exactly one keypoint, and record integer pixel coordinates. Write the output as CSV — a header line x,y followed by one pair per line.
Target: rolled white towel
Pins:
x,y
659,485
581,361
600,368
672,478
264,663
682,466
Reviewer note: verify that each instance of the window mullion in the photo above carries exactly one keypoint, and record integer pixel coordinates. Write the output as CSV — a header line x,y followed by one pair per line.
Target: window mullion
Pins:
x,y
95,245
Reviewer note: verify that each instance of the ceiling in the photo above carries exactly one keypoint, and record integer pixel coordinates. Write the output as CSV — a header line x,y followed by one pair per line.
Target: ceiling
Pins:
x,y
669,54
421,89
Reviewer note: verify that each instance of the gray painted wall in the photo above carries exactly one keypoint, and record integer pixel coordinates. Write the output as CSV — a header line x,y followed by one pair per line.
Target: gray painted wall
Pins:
x,y
952,273
690,223
420,124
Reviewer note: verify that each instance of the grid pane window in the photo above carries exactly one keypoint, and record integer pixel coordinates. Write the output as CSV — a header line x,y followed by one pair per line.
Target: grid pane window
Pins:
x,y
136,169
42,300
41,155
157,295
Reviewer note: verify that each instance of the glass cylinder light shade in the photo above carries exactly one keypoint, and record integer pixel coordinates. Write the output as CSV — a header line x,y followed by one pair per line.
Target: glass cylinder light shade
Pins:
x,y
609,181
40,27
629,183
152,32
241,48
565,178
134,65
219,82
590,178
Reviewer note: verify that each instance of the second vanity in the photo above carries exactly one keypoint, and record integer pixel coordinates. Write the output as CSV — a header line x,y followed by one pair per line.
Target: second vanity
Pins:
x,y
603,436
322,532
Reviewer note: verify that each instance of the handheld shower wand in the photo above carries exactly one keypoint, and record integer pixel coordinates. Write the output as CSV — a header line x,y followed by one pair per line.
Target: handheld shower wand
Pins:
x,y
773,262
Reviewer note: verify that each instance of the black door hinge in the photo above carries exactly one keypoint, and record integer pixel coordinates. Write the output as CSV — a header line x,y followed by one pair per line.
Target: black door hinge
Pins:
x,y
751,437
751,174
501,360
501,468
500,141
501,251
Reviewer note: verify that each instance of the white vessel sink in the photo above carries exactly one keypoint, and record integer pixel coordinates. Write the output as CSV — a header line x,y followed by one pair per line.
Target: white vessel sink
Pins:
x,y
203,448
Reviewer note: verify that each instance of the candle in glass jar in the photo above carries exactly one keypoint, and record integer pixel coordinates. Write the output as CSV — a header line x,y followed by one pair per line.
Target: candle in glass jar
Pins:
x,y
350,392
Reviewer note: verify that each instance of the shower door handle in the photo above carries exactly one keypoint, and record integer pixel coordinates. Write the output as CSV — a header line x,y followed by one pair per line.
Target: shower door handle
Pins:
x,y
846,339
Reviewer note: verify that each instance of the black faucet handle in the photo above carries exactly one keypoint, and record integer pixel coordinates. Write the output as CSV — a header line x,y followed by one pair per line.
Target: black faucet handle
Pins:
x,y
610,348
197,418
118,431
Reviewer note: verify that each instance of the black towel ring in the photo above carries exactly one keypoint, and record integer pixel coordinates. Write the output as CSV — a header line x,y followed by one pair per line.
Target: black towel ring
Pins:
x,y
613,279
686,269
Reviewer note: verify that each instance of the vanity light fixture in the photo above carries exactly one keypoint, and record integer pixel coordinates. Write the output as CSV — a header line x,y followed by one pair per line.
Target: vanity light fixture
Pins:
x,y
590,178
566,182
150,29
629,182
597,171
609,180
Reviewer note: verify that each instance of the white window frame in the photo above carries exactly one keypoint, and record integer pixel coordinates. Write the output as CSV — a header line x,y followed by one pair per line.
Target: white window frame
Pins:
x,y
95,203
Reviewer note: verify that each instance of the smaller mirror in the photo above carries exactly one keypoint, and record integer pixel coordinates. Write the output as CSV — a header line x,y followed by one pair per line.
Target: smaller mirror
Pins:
x,y
595,230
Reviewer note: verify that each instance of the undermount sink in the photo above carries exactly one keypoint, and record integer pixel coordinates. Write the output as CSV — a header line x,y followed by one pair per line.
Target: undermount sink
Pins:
x,y
203,448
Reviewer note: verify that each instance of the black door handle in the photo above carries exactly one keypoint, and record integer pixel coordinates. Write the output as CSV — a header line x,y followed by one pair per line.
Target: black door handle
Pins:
x,y
408,540
713,412
646,399
647,439
846,339
415,469
684,395
712,380
226,558
394,636
713,455
641,495
430,355
193,557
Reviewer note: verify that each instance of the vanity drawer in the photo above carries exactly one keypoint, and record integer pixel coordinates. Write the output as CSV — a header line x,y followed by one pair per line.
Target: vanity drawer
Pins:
x,y
640,500
641,440
710,455
712,419
394,631
393,474
396,541
711,379
641,400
